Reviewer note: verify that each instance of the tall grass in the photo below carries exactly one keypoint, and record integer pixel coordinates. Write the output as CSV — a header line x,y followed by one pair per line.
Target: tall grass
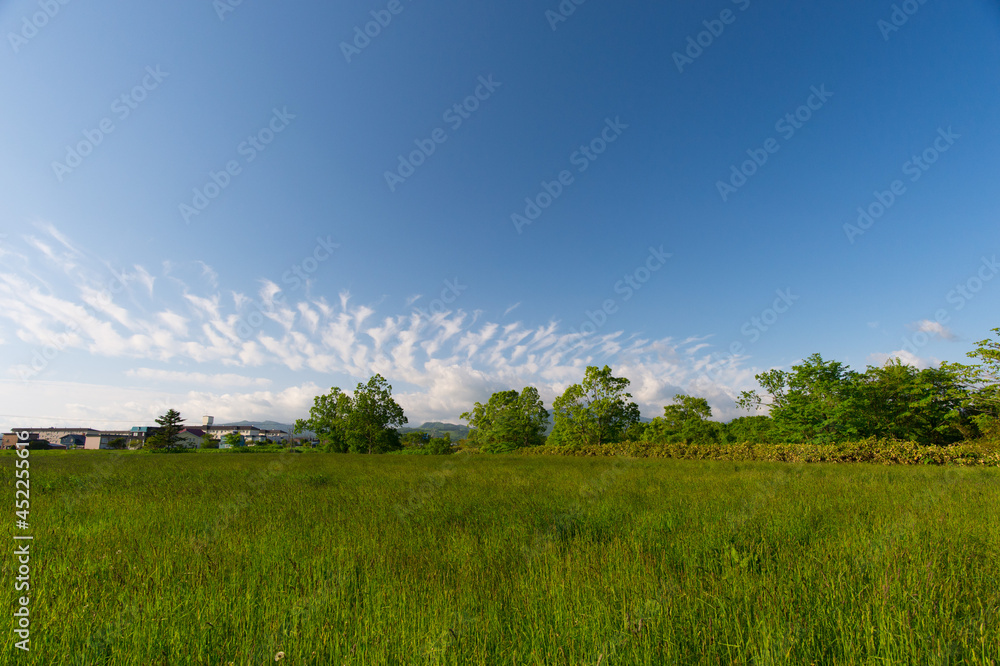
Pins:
x,y
218,559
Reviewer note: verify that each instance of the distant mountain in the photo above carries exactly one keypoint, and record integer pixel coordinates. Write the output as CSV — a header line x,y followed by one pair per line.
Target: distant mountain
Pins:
x,y
434,428
437,429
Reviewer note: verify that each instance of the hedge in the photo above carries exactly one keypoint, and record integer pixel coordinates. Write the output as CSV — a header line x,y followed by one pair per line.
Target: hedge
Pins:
x,y
885,452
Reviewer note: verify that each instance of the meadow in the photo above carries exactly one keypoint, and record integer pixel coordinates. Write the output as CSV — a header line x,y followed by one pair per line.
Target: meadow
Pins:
x,y
216,558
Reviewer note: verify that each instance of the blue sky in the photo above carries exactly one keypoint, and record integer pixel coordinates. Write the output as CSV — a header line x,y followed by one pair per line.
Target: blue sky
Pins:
x,y
116,301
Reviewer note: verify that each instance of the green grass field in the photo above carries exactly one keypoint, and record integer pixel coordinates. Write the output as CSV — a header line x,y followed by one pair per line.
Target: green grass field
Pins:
x,y
216,558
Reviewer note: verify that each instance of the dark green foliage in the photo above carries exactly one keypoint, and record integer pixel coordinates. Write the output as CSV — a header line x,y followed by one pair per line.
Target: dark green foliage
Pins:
x,y
234,440
823,401
167,438
594,412
439,446
754,429
414,439
328,419
419,442
983,383
687,420
881,452
363,423
898,401
808,403
508,421
373,419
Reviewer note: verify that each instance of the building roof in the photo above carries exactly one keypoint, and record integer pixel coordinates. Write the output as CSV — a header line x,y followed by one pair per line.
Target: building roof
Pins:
x,y
131,434
80,430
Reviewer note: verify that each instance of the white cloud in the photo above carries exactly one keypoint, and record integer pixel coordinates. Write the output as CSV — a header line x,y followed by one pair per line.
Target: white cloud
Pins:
x,y
41,247
143,276
209,274
906,357
933,328
442,362
52,403
199,378
175,322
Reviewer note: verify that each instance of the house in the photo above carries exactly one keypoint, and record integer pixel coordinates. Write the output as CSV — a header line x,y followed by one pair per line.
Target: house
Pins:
x,y
11,439
191,437
102,439
248,433
73,440
52,435
275,435
136,437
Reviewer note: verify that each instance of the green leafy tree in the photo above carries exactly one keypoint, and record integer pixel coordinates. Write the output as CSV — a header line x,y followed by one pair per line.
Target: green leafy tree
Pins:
x,y
363,423
167,438
824,401
509,420
687,420
372,422
636,432
415,439
752,429
982,380
898,401
809,403
233,440
328,419
988,353
118,443
439,446
594,412
208,442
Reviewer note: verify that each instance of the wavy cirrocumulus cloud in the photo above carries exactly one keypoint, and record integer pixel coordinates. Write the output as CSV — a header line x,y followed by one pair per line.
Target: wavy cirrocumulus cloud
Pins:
x,y
56,298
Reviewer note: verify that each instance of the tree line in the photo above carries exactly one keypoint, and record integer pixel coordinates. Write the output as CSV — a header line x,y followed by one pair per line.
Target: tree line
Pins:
x,y
816,401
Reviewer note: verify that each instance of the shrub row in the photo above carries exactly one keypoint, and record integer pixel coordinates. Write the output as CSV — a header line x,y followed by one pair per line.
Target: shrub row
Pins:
x,y
885,452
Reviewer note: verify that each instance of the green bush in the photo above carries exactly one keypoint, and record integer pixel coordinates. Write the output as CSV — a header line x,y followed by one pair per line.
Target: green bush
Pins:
x,y
885,452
